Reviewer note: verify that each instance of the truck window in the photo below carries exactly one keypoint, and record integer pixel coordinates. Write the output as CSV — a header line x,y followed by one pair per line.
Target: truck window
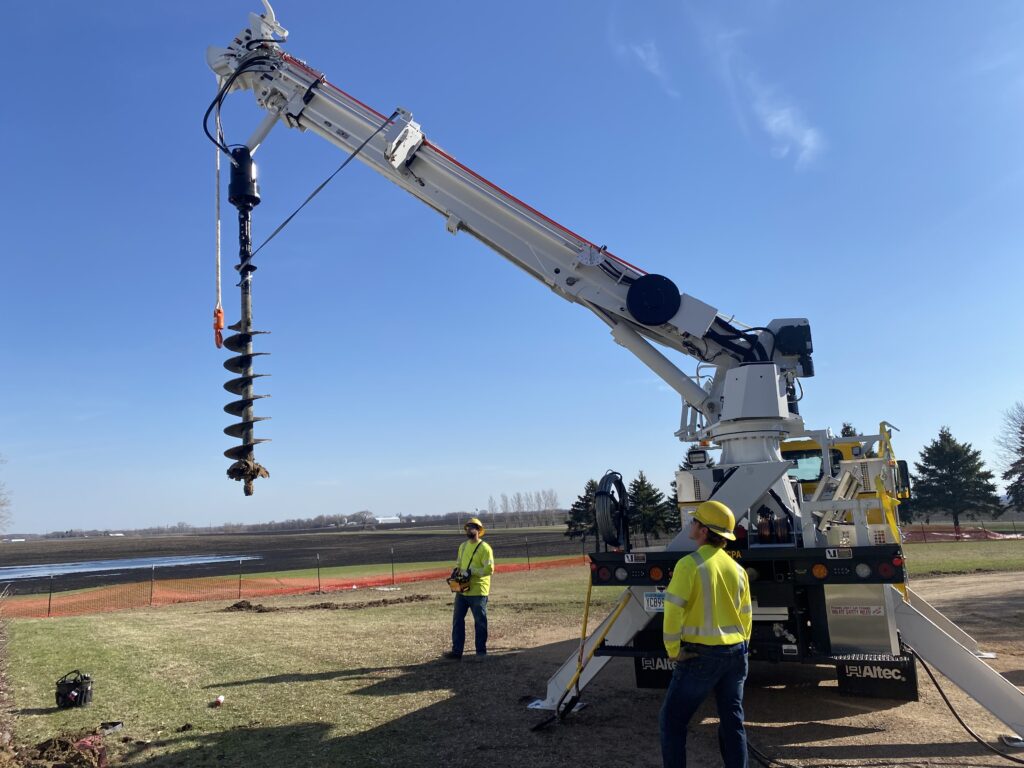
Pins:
x,y
808,466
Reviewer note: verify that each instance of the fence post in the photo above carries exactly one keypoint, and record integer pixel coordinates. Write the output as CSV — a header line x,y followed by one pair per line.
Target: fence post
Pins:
x,y
152,582
318,589
392,566
49,600
239,579
1014,524
924,534
983,528
528,553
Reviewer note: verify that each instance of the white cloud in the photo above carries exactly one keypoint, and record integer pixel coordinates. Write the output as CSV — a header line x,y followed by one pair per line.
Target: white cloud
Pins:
x,y
787,128
646,54
781,120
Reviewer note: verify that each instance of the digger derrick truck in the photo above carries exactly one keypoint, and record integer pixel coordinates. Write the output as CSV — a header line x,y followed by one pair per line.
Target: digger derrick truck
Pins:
x,y
827,573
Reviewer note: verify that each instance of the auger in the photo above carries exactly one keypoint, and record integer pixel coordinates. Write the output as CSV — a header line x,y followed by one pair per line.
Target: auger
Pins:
x,y
243,193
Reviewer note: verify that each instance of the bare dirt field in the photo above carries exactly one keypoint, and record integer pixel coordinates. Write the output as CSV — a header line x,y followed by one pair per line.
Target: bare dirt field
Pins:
x,y
278,551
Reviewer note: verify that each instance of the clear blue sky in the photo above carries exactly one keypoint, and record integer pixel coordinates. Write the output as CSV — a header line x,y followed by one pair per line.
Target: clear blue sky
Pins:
x,y
857,164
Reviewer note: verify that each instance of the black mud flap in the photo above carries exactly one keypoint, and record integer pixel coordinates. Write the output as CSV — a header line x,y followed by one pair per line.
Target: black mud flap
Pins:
x,y
877,676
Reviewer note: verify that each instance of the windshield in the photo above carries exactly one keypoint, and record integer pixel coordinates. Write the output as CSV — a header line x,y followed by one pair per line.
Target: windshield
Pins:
x,y
808,467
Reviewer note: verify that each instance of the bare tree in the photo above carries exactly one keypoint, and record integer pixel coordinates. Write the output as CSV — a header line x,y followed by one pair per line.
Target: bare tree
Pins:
x,y
492,507
506,507
519,505
550,500
1009,435
1010,456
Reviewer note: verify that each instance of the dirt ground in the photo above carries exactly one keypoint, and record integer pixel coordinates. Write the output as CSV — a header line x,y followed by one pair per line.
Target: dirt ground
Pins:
x,y
803,722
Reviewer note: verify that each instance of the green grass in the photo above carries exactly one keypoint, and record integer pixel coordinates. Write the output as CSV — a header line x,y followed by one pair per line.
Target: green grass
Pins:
x,y
305,687
340,687
951,557
355,571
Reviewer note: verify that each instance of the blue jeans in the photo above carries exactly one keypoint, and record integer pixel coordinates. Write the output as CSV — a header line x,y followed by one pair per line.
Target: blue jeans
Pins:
x,y
478,605
722,669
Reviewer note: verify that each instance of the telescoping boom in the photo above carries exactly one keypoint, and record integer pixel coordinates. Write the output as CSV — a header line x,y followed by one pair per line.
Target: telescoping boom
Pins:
x,y
816,523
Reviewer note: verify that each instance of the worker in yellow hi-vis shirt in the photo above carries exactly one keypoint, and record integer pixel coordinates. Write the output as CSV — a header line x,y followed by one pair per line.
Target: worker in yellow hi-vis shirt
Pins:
x,y
707,627
475,563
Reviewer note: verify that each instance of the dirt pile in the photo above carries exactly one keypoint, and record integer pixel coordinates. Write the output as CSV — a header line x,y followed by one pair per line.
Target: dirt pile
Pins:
x,y
84,750
245,606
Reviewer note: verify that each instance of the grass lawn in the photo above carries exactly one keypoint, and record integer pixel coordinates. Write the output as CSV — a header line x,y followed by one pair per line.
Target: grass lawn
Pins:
x,y
302,687
964,557
354,571
357,686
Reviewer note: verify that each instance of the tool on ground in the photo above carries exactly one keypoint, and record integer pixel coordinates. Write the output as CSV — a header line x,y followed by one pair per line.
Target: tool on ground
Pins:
x,y
74,690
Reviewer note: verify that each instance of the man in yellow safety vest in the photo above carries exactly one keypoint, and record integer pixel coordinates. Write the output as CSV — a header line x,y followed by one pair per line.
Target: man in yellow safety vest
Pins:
x,y
706,630
475,562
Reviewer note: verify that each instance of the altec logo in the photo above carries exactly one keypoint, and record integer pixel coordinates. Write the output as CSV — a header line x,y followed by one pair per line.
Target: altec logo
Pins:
x,y
656,664
875,672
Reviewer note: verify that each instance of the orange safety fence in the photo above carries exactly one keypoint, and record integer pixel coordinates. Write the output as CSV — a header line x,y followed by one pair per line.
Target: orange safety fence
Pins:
x,y
936,533
117,597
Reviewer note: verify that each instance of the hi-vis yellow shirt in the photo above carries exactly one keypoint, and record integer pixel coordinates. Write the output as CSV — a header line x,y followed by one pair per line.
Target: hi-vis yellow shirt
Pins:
x,y
480,566
707,602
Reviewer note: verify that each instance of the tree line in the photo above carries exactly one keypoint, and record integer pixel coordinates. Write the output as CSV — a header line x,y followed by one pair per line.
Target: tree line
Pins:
x,y
950,479
653,512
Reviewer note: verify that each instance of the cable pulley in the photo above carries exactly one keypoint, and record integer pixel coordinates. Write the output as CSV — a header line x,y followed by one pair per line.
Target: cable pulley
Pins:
x,y
612,511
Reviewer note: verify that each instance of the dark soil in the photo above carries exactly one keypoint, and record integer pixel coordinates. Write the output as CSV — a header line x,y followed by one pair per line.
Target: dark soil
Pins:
x,y
84,750
277,552
246,606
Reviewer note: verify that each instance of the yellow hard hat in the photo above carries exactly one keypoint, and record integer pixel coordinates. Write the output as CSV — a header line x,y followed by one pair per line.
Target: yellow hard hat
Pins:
x,y
717,517
476,521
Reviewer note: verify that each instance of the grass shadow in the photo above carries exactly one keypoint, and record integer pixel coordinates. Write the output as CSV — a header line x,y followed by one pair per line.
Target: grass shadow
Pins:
x,y
484,718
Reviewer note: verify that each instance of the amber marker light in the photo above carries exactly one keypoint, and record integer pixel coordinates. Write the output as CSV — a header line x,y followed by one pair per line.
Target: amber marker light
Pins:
x,y
656,573
819,570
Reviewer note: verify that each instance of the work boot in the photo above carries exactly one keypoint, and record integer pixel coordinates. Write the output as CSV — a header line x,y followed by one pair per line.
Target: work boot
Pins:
x,y
451,656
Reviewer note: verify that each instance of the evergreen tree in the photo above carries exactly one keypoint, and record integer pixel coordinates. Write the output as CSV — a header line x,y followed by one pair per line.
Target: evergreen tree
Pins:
x,y
582,521
848,430
1011,443
952,478
649,507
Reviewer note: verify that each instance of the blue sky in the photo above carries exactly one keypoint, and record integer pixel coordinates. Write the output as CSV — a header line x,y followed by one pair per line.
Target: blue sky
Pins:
x,y
860,165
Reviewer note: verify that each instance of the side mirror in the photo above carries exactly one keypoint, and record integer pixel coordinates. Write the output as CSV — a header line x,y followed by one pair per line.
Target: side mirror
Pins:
x,y
903,476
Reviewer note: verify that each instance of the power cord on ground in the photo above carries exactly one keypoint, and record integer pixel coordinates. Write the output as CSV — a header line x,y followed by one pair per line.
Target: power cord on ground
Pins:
x,y
762,759
960,720
768,762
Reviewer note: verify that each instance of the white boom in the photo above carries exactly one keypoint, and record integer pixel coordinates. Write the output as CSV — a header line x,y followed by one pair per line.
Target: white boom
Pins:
x,y
746,408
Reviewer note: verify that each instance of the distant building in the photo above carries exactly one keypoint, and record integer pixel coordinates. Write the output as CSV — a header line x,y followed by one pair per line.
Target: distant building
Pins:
x,y
115,534
388,520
